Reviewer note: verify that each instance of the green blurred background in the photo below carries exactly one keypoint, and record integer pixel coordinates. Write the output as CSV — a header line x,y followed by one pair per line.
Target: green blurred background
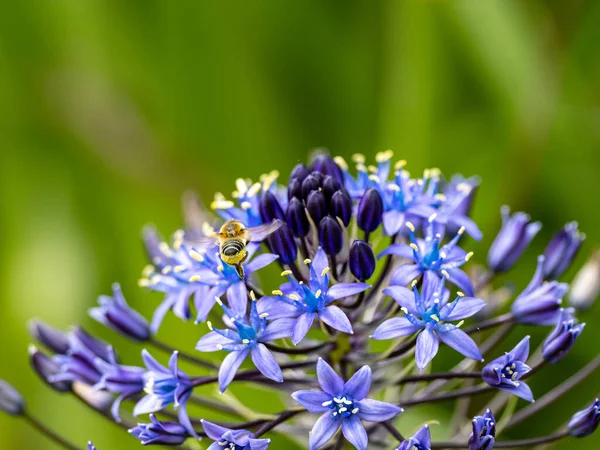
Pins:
x,y
109,110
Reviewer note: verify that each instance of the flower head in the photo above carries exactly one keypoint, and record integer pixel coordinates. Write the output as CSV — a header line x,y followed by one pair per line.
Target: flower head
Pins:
x,y
585,422
425,313
506,371
428,255
421,440
232,439
159,433
46,368
562,338
514,237
115,313
246,337
539,303
483,436
11,400
91,446
343,404
305,302
561,250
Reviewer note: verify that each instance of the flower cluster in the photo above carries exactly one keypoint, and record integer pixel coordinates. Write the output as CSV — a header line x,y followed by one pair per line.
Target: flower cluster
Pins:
x,y
347,338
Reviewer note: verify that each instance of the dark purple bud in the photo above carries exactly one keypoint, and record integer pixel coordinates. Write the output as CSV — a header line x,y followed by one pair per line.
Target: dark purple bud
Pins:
x,y
327,166
115,313
330,187
370,211
282,243
331,235
514,237
561,340
561,250
46,368
50,337
341,206
11,400
297,220
309,184
585,422
294,188
269,208
484,432
361,260
159,433
300,172
316,205
91,344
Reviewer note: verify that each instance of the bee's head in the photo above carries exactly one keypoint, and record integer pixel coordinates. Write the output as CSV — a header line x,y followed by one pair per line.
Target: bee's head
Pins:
x,y
232,228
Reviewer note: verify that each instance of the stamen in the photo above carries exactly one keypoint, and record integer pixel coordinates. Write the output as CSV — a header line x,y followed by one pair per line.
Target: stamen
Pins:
x,y
432,217
307,261
294,297
254,189
468,256
414,246
277,292
325,270
400,164
196,256
445,273
355,410
435,172
381,157
179,268
219,347
372,169
252,296
341,162
434,317
318,293
209,325
358,158
439,196
246,205
460,293
264,315
194,278
220,268
374,178
414,282
285,273
222,204
404,310
166,270
245,341
148,270
241,186
327,403
461,230
460,324
410,226
143,282
219,302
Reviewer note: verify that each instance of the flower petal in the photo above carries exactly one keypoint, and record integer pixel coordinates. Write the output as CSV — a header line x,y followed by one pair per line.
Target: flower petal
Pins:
x,y
402,250
342,290
259,262
521,350
392,221
320,262
237,298
265,362
211,342
280,328
259,444
463,308
403,296
470,226
231,363
376,411
427,348
461,280
522,390
303,324
204,303
423,436
213,430
357,387
336,318
276,308
459,340
405,274
355,432
393,328
323,430
312,400
329,381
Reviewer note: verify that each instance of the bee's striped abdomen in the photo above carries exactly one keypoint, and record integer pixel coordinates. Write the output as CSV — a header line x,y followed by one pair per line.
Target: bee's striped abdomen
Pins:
x,y
232,247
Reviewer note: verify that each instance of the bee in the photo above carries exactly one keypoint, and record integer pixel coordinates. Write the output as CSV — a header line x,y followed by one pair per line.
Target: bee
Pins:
x,y
232,239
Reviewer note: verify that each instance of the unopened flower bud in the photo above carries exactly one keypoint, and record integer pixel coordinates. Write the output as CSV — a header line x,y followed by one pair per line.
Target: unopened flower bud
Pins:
x,y
361,260
330,187
294,188
300,172
561,340
310,183
316,206
46,368
585,422
341,206
159,433
585,288
327,166
296,218
484,432
561,250
11,400
50,337
269,208
370,211
282,243
331,235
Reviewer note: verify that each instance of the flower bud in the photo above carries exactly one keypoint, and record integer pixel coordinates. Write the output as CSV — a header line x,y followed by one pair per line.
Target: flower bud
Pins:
x,y
559,342
50,337
330,235
370,211
514,237
310,183
115,313
46,368
361,260
319,176
300,172
91,344
91,446
294,188
316,206
585,422
269,208
330,187
281,242
561,250
327,166
341,206
11,401
159,433
297,220
585,288
484,432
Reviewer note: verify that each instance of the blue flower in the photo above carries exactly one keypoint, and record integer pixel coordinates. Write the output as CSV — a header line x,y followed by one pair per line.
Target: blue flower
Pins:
x,y
561,340
483,436
505,372
165,386
232,439
513,238
561,250
343,404
585,422
539,303
115,313
247,337
421,440
308,301
427,255
425,313
159,433
11,400
46,368
91,446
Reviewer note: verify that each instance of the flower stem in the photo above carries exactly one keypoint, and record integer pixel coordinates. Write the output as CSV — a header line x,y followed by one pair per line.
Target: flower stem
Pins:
x,y
522,443
438,376
299,351
390,429
490,323
475,390
49,433
182,355
284,416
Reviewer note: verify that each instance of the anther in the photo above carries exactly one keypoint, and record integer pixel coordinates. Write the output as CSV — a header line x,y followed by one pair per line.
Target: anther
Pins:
x,y
410,226
245,341
264,315
209,325
461,230
460,293
468,256
196,256
285,273
252,296
277,292
318,293
414,246
307,261
246,205
325,270
165,270
179,268
445,273
218,300
194,278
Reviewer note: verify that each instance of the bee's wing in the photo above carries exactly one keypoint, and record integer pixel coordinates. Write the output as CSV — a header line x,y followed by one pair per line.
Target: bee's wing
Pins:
x,y
203,242
260,232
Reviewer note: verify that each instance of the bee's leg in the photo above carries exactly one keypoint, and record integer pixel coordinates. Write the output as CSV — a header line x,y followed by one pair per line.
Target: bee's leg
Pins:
x,y
240,270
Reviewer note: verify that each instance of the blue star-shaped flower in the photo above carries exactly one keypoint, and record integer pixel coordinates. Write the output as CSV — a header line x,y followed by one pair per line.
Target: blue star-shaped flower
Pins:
x,y
226,438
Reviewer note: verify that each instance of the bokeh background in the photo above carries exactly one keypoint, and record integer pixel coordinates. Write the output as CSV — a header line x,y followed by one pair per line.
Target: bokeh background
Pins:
x,y
109,110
